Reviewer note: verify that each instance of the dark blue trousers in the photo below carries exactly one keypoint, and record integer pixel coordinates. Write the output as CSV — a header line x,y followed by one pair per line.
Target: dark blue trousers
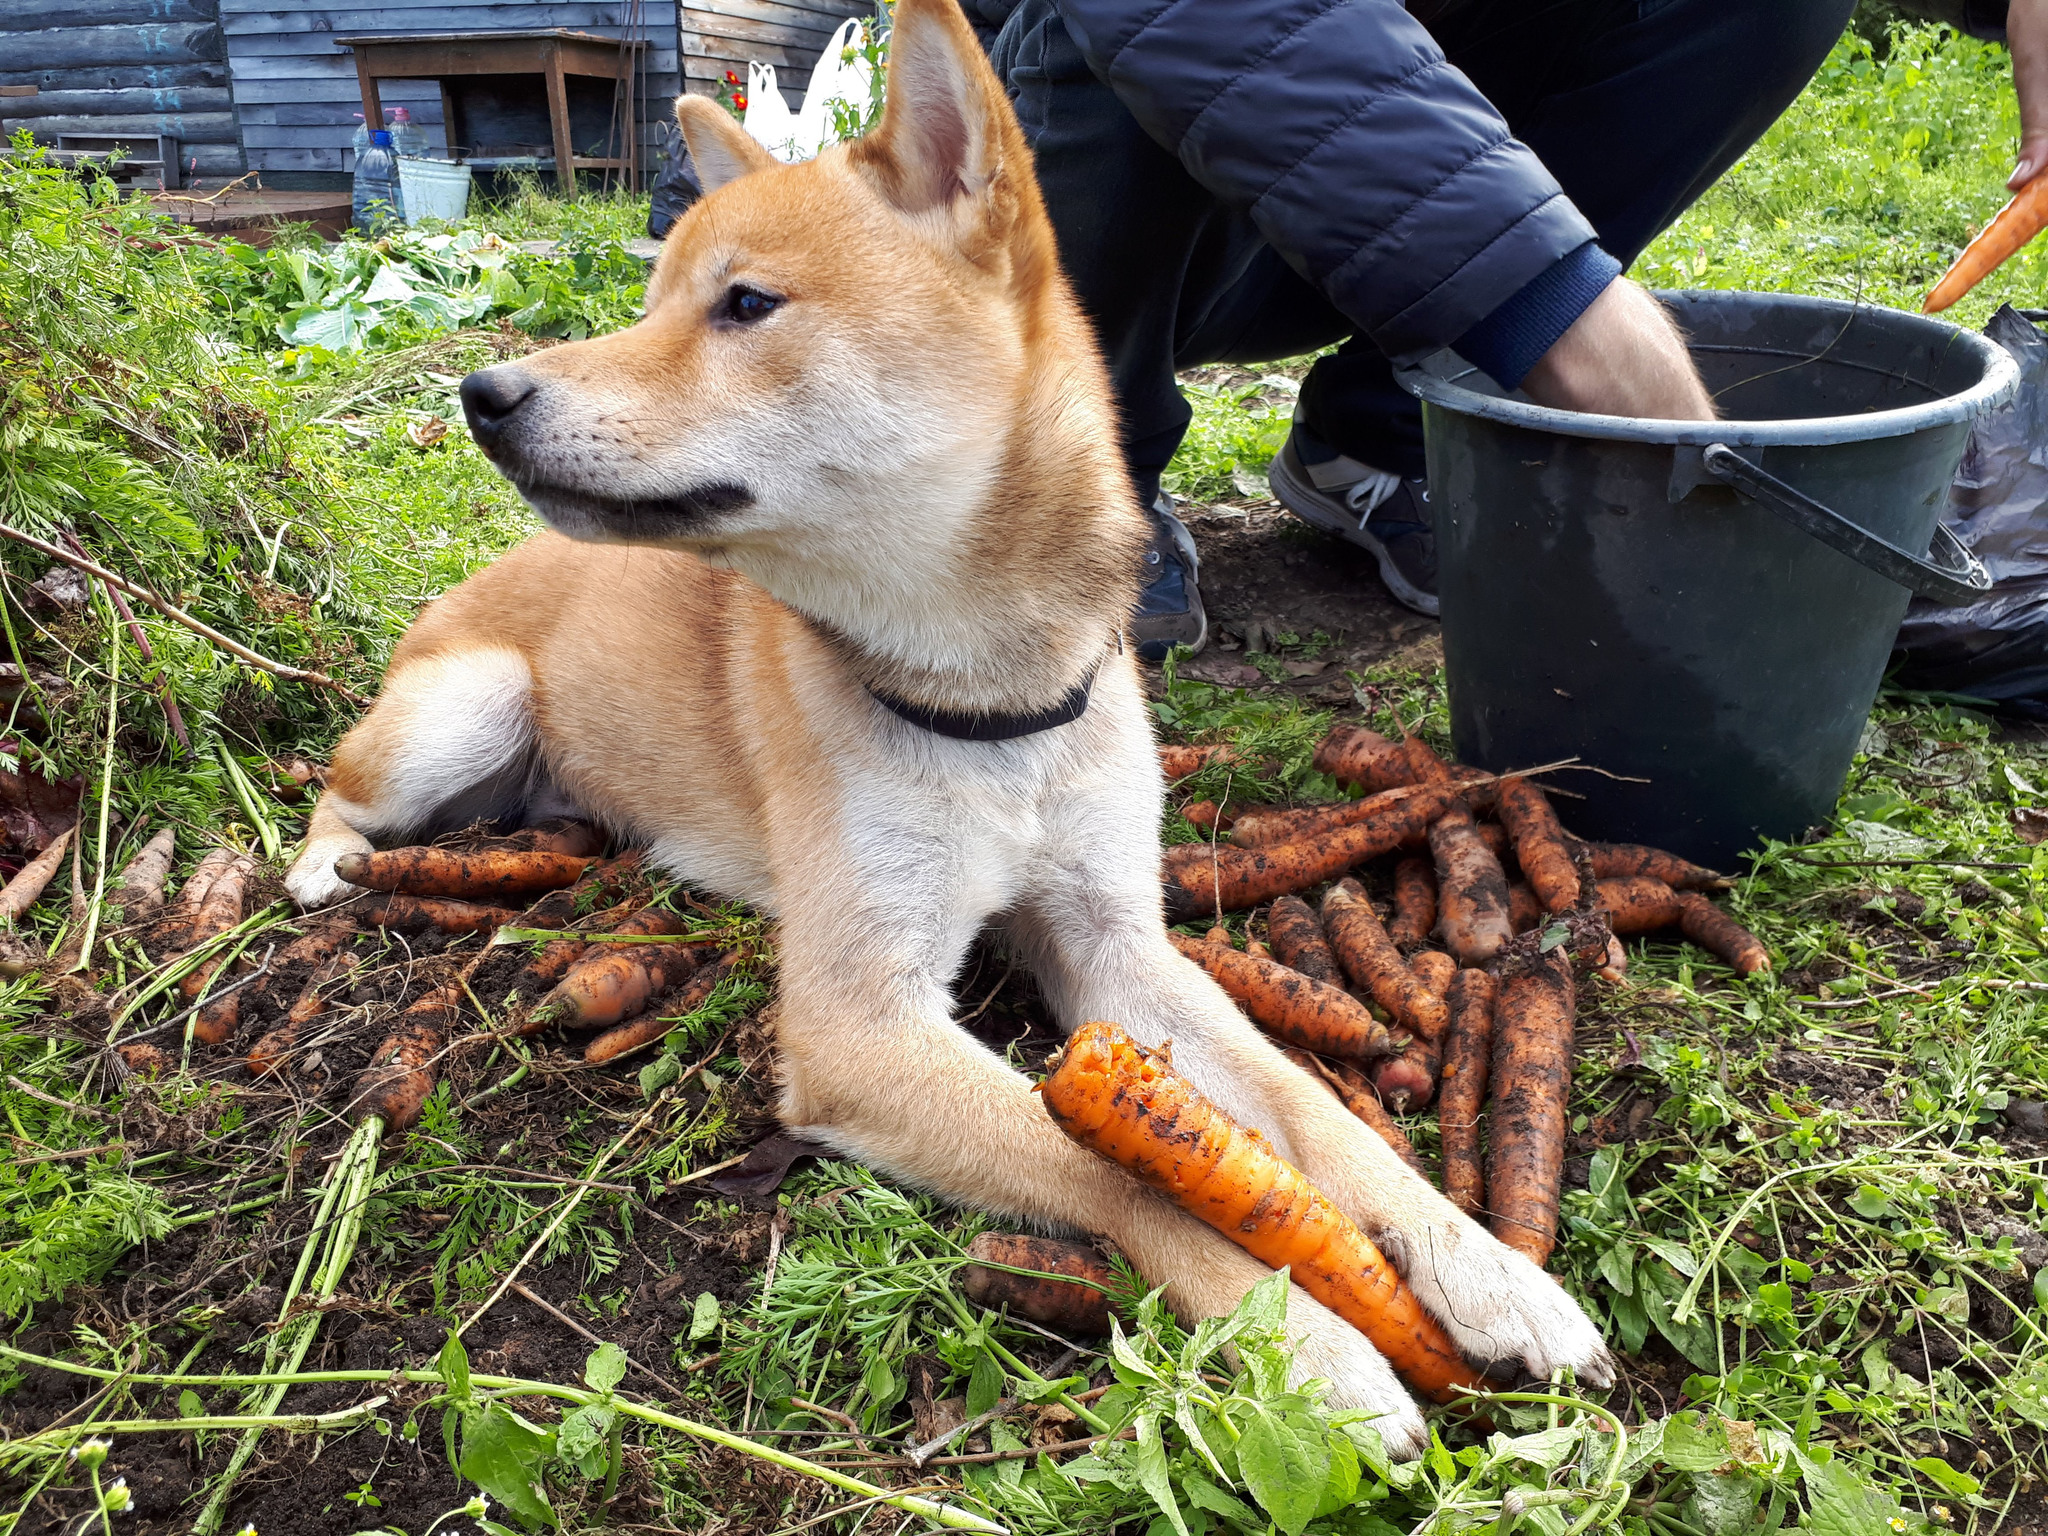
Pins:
x,y
1636,106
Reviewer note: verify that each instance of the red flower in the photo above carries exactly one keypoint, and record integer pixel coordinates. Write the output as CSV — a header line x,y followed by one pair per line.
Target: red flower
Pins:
x,y
731,78
740,101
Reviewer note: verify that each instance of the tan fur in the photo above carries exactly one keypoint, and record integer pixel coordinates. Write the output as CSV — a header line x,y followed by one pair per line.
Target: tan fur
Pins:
x,y
903,477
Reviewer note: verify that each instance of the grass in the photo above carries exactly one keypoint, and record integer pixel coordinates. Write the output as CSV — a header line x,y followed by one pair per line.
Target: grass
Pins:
x,y
1807,1206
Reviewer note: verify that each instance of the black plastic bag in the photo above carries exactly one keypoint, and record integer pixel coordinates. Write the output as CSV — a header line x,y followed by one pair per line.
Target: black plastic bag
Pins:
x,y
1996,649
675,186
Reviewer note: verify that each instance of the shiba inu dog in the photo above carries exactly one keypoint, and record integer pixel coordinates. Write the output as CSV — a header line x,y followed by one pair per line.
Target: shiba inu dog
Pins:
x,y
830,620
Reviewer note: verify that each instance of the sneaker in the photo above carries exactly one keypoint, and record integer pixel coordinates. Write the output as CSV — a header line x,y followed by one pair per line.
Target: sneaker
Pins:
x,y
1376,510
1169,610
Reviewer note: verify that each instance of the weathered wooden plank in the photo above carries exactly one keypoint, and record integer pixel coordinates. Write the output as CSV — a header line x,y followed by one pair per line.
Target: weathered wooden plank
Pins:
x,y
297,160
789,13
154,100
324,114
22,15
257,136
76,47
698,23
117,78
663,63
187,127
787,60
607,18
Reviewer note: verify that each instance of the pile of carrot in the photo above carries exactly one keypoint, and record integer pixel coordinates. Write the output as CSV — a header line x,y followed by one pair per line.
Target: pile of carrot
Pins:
x,y
1463,989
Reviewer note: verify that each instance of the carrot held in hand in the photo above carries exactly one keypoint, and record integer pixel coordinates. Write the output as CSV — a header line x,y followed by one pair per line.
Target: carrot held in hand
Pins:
x,y
1532,1079
1288,1005
1198,878
2018,222
1134,1109
1540,846
1296,934
492,875
1467,1063
1715,931
1370,959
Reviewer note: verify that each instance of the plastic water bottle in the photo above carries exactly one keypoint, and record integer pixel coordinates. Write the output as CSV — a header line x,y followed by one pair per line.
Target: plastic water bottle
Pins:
x,y
361,141
376,197
407,136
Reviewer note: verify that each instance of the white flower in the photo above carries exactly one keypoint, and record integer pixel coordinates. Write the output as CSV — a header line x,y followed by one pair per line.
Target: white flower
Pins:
x,y
91,1452
477,1507
117,1498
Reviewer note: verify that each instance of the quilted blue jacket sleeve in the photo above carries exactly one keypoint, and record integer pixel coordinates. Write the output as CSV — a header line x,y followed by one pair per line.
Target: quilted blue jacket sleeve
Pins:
x,y
1372,166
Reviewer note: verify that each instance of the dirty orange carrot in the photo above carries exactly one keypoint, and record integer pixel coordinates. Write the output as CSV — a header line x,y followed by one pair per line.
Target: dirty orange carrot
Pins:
x,y
1467,1063
2018,222
1369,958
551,963
1257,949
1287,1004
612,982
275,1047
1636,903
1615,861
144,1059
216,1023
1197,879
559,834
1532,1077
1267,826
172,933
629,1037
1407,1080
1616,966
1296,934
1497,841
1210,816
1133,1108
139,888
30,880
1221,935
272,1049
1524,910
1356,1093
410,913
1540,846
492,875
1434,969
1471,890
1719,934
1178,762
1414,903
405,1066
1353,755
1067,1288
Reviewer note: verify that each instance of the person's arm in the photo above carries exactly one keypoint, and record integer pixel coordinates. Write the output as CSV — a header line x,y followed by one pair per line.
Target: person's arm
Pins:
x,y
2026,30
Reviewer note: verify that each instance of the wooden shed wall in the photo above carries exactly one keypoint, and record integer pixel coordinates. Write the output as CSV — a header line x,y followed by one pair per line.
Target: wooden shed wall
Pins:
x,y
725,34
145,67
297,93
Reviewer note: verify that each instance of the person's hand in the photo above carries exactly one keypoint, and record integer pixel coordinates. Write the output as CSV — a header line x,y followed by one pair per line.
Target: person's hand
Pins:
x,y
2026,29
1622,357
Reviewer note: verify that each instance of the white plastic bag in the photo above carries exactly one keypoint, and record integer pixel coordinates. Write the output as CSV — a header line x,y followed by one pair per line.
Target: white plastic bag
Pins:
x,y
836,78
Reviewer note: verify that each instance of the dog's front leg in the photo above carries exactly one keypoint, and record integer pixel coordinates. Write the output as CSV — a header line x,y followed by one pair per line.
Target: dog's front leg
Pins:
x,y
874,1066
1095,960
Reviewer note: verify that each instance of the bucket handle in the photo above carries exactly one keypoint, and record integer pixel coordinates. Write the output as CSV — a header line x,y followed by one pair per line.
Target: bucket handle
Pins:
x,y
1954,577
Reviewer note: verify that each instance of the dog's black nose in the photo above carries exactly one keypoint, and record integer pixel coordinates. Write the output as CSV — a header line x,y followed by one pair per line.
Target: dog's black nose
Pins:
x,y
491,397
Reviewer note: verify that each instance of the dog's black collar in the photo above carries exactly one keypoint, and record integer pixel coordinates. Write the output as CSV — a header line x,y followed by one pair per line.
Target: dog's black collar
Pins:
x,y
962,725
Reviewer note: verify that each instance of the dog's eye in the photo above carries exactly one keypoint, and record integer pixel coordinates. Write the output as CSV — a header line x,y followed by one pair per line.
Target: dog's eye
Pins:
x,y
745,305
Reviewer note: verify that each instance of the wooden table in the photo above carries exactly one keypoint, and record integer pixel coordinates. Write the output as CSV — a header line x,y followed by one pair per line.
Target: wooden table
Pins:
x,y
552,52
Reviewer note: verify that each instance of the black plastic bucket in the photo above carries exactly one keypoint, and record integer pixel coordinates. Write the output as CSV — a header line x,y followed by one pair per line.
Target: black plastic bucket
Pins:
x,y
1703,609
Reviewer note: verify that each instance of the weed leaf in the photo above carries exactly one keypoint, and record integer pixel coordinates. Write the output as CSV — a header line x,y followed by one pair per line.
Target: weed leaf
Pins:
x,y
1283,1469
704,1317
1845,1505
605,1368
1153,1476
503,1454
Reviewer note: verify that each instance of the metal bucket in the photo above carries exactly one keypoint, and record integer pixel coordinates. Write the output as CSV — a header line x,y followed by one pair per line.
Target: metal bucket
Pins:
x,y
1703,609
432,189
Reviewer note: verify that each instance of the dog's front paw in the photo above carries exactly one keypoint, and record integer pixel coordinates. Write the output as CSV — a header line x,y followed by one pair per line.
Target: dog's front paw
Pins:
x,y
1497,1306
1359,1377
312,881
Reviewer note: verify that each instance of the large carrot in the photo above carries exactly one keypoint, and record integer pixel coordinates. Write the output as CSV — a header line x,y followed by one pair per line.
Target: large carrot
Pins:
x,y
2010,228
613,982
1197,878
219,910
558,834
1434,969
1179,762
1471,890
190,921
1540,846
1718,933
1407,1079
1532,1078
1288,1005
1468,1049
1414,903
1374,965
30,880
1355,1092
1134,1109
614,1043
491,876
1296,934
1353,755
274,1048
1208,815
410,913
1615,861
405,1066
1067,1287
1637,904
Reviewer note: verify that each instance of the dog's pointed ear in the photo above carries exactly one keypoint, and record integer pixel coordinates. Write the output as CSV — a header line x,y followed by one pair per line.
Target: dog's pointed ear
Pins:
x,y
947,124
720,148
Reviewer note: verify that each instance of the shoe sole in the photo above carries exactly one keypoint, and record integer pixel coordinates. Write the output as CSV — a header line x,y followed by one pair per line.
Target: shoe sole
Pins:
x,y
1184,541
1292,488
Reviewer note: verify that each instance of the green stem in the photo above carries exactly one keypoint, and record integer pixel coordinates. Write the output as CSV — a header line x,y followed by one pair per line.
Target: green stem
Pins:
x,y
1017,1367
170,975
57,1441
99,880
944,1514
